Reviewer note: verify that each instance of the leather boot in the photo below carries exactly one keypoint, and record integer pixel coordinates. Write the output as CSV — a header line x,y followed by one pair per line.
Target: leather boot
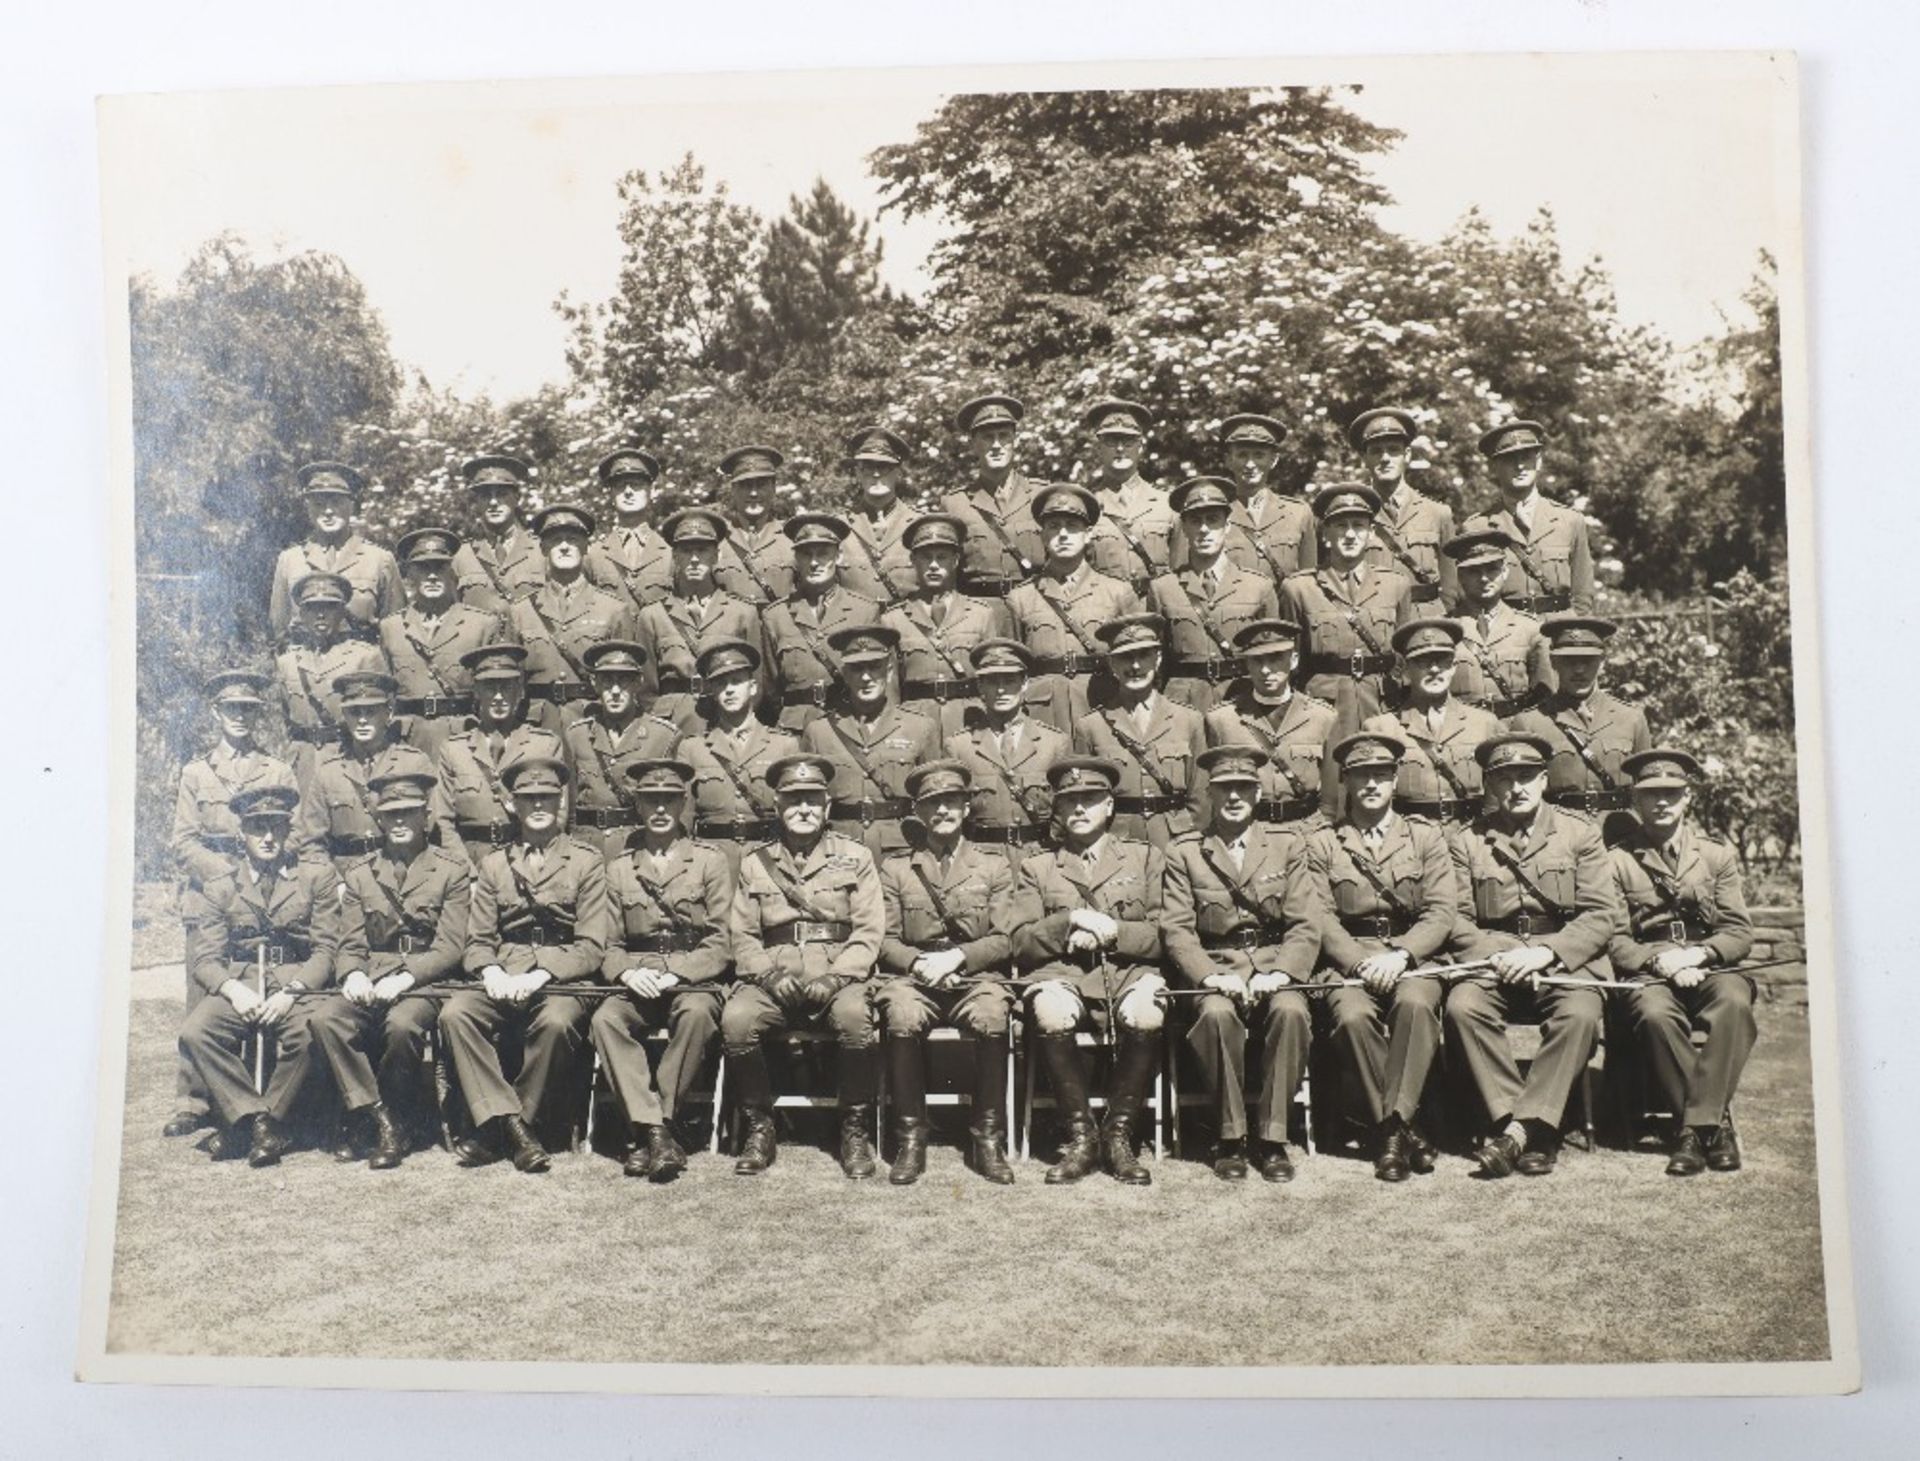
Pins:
x,y
906,1074
229,1143
989,1111
666,1159
747,1074
1688,1158
1230,1159
1420,1152
1722,1145
1067,1074
528,1155
270,1143
859,1085
183,1123
1133,1069
1393,1161
389,1146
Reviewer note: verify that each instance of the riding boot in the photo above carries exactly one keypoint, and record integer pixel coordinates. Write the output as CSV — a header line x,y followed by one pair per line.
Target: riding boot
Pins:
x,y
1067,1074
1133,1071
989,1111
753,1088
906,1074
389,1146
859,1086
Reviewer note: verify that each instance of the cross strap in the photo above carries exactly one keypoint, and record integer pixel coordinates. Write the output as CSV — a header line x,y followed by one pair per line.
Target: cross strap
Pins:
x,y
952,925
1234,890
1490,667
1512,864
1136,748
1390,540
1581,748
408,922
426,659
746,792
894,595
1193,610
790,890
1365,866
745,560
992,520
1271,745
553,637
1439,762
1355,620
533,908
859,760
928,632
1067,621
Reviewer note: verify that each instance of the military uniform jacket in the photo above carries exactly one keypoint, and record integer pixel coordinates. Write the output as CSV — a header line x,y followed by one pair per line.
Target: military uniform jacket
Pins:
x,y
295,913
796,631
1170,746
676,629
871,758
559,623
1294,735
553,916
1048,611
368,567
1563,856
976,890
492,575
933,650
635,562
1418,524
1342,617
600,759
1272,537
1133,541
469,789
424,654
687,891
756,564
1000,531
1609,729
1439,764
1272,901
303,676
835,881
336,815
1119,876
1414,864
730,771
1504,664
873,560
1695,899
413,915
206,834
1557,542
1205,610
1009,768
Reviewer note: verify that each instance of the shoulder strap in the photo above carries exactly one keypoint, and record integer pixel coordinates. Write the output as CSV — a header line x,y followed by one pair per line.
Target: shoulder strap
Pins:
x,y
891,589
1234,891
746,792
789,889
816,646
1271,745
927,632
992,520
1355,619
859,760
1172,577
1512,864
1137,749
553,638
1390,540
1582,748
1067,620
420,649
1364,865
954,930
745,560
1438,761
405,919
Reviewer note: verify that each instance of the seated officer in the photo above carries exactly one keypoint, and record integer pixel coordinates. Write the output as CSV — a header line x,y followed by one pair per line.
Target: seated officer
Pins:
x,y
337,813
1503,665
1089,930
1153,740
1687,925
733,806
1536,897
1206,597
669,897
409,901
1439,777
498,735
938,628
950,917
1590,732
806,925
612,737
1389,882
1007,751
257,936
694,611
796,629
1263,709
1243,922
539,923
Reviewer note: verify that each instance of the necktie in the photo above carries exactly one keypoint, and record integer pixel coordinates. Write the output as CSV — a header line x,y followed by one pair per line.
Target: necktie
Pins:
x,y
1485,619
1237,851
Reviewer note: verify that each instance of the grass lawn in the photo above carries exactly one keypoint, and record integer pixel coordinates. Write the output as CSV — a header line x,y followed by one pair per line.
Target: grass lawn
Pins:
x,y
1607,1260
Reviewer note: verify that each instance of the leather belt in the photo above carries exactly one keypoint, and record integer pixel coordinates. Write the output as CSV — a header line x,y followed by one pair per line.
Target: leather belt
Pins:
x,y
1375,925
1213,670
1358,664
1440,808
339,845
229,842
561,692
1288,811
1149,806
1677,929
1010,834
677,941
606,817
1591,801
405,943
673,683
815,694
941,690
1065,664
434,705
1260,937
809,931
279,951
537,936
497,834
871,809
1552,600
1527,923
990,585
733,829
313,735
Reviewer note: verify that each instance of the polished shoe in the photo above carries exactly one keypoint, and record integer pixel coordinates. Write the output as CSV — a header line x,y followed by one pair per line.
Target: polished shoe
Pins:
x,y
183,1123
909,1151
666,1158
270,1143
349,1142
1080,1156
990,1151
230,1143
389,1142
856,1147
1688,1160
1723,1148
1276,1163
476,1150
639,1161
1420,1152
1497,1156
1122,1161
1537,1161
528,1155
757,1149
1394,1161
1230,1160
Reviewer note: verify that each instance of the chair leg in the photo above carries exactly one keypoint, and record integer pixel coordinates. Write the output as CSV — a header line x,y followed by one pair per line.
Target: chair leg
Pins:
x,y
1170,1112
1586,1103
1025,1127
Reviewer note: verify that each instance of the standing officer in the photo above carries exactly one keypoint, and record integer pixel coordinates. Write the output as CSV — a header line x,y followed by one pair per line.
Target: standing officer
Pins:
x,y
257,936
499,734
1686,927
605,743
797,628
1243,922
565,615
1207,598
539,923
1001,541
337,814
630,557
502,562
423,643
1552,558
409,902
938,628
1155,742
1269,531
875,561
328,491
1591,733
806,925
1131,538
871,739
1389,882
733,804
949,947
1348,606
756,558
668,897
690,613
318,652
1058,612
1006,751
1263,709
1411,526
1537,896
1503,664
1088,929
1439,777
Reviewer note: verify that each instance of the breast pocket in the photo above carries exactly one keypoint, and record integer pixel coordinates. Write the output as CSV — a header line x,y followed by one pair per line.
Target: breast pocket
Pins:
x,y
1554,875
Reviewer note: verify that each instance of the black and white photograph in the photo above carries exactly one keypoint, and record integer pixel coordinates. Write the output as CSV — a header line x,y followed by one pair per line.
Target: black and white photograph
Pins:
x,y
1113,729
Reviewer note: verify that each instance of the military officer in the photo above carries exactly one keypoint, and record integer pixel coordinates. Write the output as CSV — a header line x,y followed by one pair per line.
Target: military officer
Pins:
x,y
328,491
938,628
1006,751
1411,526
564,616
1686,929
1243,918
1056,613
319,651
423,643
1591,732
1503,663
1000,536
756,558
258,935
1552,558
409,901
337,814
1155,742
949,947
733,804
502,562
669,898
1131,537
473,758
539,923
603,744
806,924
875,558
632,556
692,611
1439,777
1088,929
1537,897
1263,709
1207,598
1389,882
872,740
1348,607
1268,530
796,629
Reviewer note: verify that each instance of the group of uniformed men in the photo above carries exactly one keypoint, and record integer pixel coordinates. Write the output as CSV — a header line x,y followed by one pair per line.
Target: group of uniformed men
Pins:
x,y
1102,758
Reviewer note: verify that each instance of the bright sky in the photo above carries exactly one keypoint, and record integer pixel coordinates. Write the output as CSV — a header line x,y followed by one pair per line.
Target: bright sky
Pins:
x,y
466,210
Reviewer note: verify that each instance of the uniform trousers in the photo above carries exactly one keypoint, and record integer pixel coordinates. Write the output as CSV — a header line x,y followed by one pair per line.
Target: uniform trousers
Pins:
x,y
376,1051
1699,1084
1477,1012
752,1013
1389,1042
1218,1039
1062,998
550,1031
214,1040
691,1014
977,1007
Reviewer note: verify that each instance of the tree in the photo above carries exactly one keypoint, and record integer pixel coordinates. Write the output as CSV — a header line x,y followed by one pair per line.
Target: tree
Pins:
x,y
819,272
